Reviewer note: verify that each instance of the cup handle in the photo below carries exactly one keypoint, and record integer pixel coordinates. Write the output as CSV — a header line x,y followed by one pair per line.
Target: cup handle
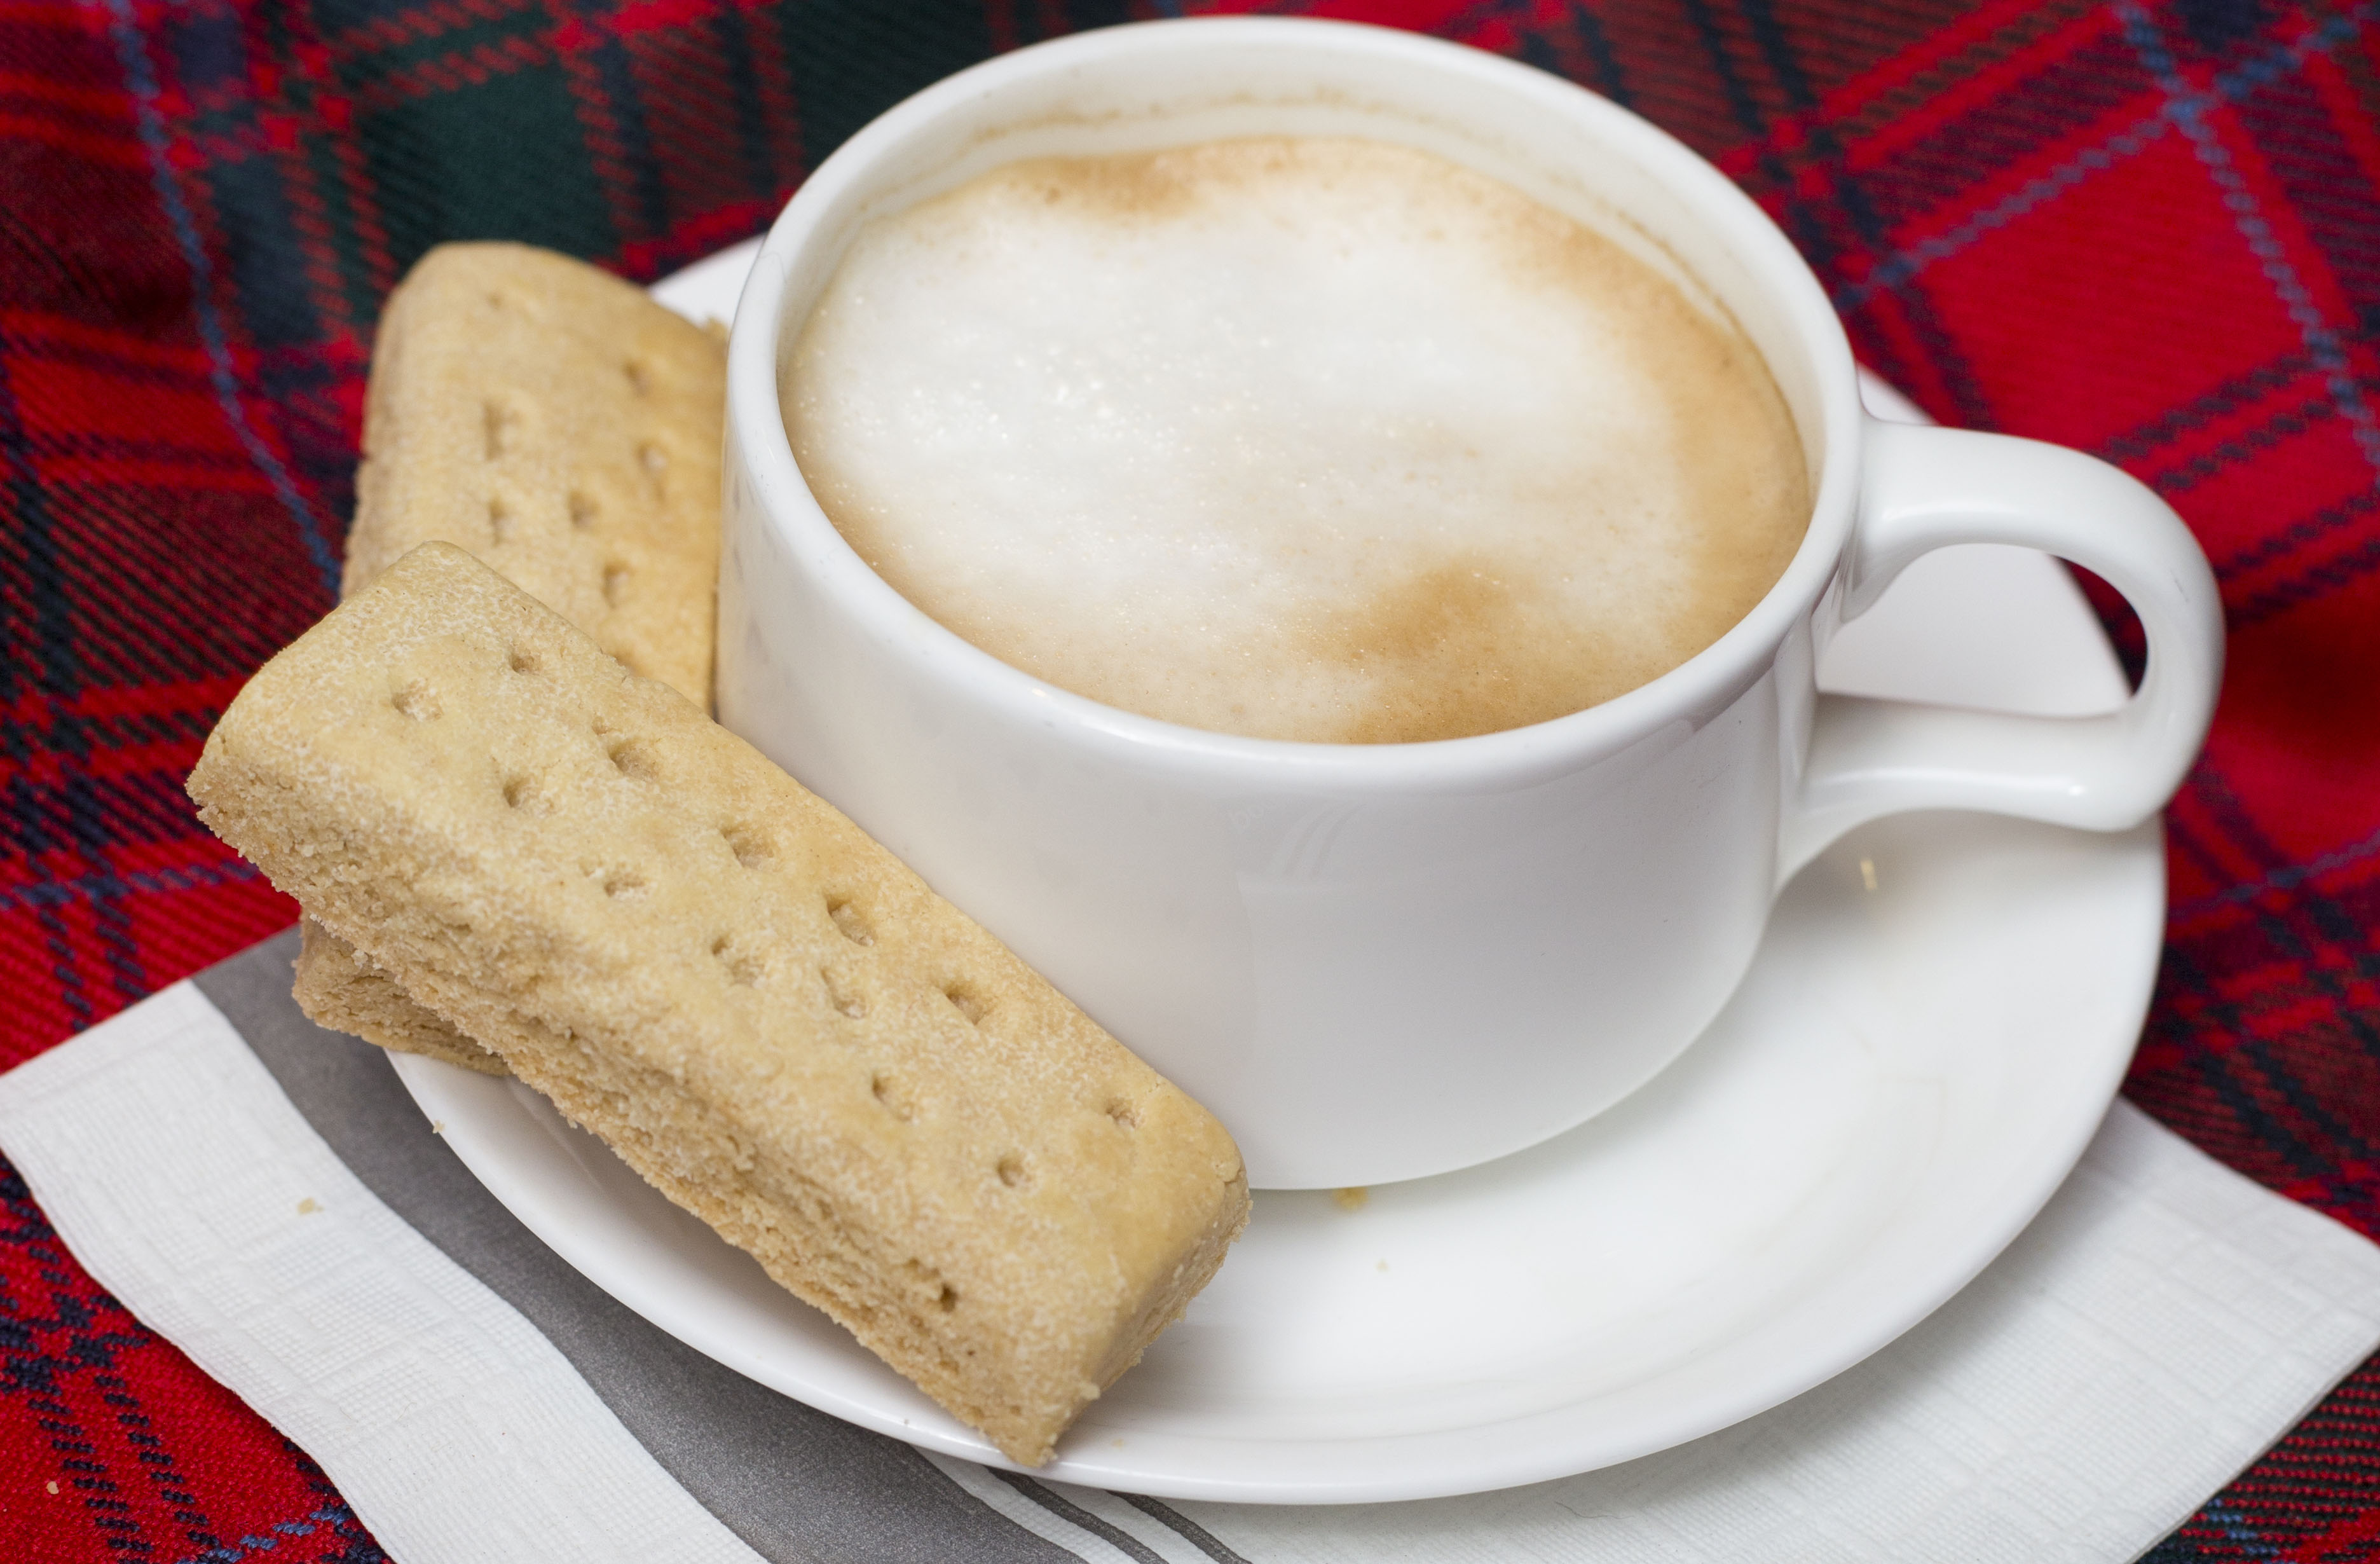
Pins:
x,y
1925,488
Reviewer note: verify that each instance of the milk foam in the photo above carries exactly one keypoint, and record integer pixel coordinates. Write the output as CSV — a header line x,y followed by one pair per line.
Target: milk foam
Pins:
x,y
1309,439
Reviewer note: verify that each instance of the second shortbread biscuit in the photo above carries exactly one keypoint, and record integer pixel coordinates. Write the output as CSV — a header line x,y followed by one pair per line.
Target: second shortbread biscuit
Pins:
x,y
554,421
340,987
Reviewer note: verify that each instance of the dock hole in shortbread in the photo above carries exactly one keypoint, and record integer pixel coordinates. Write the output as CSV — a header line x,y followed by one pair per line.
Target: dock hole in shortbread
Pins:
x,y
523,791
500,520
743,968
1011,1170
415,700
615,583
1126,1115
925,1279
970,1004
752,846
634,758
500,421
888,1091
640,379
842,995
584,510
847,919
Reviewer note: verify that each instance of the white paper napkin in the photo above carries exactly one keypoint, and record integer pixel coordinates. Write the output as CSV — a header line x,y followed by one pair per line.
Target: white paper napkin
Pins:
x,y
2160,1324
188,1186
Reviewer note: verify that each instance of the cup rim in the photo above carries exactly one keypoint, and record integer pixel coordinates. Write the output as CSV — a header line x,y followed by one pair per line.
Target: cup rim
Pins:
x,y
1698,688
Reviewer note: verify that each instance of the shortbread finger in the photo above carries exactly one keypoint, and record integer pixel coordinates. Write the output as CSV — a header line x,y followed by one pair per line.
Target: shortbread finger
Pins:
x,y
763,1011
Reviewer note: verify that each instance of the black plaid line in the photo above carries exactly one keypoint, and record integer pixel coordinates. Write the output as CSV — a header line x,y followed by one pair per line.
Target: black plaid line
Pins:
x,y
2243,390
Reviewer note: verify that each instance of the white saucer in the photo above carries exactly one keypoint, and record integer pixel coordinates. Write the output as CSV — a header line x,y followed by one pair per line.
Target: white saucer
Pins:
x,y
1940,1014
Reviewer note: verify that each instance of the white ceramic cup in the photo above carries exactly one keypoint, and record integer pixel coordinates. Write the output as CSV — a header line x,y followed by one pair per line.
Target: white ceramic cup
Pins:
x,y
1381,962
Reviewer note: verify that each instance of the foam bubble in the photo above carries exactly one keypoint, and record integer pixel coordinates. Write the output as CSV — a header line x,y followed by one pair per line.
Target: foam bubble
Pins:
x,y
1307,439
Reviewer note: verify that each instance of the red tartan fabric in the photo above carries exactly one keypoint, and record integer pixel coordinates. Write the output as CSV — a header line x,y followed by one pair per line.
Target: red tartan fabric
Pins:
x,y
2150,230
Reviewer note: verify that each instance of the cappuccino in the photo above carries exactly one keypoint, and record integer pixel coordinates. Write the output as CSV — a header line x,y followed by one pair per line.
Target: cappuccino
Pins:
x,y
1305,438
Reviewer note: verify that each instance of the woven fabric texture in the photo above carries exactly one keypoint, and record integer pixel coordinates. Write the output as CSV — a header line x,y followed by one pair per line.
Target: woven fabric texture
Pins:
x,y
2148,230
